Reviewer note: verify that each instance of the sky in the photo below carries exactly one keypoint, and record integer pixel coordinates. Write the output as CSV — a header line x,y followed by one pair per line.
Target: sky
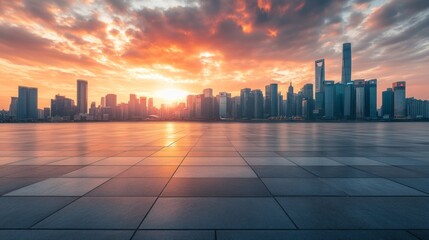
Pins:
x,y
168,49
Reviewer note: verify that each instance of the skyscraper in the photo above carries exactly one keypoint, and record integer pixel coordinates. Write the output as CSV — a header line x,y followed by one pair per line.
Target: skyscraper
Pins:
x,y
347,63
349,101
329,99
371,99
308,101
387,104
13,107
224,105
271,100
339,100
247,103
399,104
258,104
143,107
82,96
27,103
111,100
359,85
290,108
319,80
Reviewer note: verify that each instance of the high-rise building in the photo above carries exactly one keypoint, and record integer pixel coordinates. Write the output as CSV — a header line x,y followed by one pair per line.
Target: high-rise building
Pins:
x,y
82,96
62,107
208,104
13,107
236,108
359,85
308,106
190,106
349,101
329,99
247,103
208,92
103,102
111,100
399,96
371,99
347,63
150,107
387,104
271,100
298,98
133,107
27,103
319,83
258,104
339,100
290,108
143,107
224,105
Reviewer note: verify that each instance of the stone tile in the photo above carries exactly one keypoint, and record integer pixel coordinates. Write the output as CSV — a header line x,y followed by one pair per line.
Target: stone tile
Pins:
x,y
100,213
421,234
214,161
59,187
421,184
282,172
215,171
300,186
213,154
314,235
24,212
127,161
161,161
358,212
65,234
259,154
400,161
128,187
314,161
174,235
97,172
269,161
77,161
392,172
371,187
338,171
38,161
10,184
358,161
149,171
216,213
212,187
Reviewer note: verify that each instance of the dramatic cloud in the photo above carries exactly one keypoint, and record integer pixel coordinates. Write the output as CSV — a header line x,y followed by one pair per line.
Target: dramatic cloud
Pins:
x,y
144,47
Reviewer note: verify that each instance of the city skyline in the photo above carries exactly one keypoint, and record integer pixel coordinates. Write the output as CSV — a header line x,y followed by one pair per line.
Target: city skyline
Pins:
x,y
193,45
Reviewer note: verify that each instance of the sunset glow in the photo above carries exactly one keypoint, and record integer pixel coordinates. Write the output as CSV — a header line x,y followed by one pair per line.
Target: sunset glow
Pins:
x,y
176,47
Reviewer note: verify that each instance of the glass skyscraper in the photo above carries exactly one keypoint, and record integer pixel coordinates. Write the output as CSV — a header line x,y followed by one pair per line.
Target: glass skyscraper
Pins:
x,y
271,100
360,98
27,103
329,99
347,63
399,104
82,96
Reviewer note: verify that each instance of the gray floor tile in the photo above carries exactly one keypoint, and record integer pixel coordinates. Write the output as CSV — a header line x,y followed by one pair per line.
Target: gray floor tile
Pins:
x,y
149,171
358,212
314,161
314,235
212,187
60,187
300,186
269,161
213,161
216,213
10,184
100,213
337,171
97,172
126,161
145,187
23,212
358,161
65,234
392,172
421,184
282,172
215,171
174,235
371,187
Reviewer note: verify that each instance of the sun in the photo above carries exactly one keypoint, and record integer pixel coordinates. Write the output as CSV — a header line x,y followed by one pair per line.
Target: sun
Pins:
x,y
171,95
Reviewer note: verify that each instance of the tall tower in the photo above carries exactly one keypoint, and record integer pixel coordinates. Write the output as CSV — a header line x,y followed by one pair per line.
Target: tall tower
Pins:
x,y
399,96
347,63
27,103
290,110
82,96
319,82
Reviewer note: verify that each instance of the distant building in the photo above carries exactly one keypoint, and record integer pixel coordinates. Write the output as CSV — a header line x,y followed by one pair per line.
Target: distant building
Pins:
x,y
82,96
349,101
359,86
271,100
224,105
339,100
319,83
399,96
347,63
387,104
247,103
417,109
62,107
258,104
371,99
236,107
27,104
13,107
329,104
290,108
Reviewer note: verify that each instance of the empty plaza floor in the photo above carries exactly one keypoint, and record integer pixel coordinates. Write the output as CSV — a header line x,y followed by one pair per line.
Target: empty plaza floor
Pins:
x,y
224,181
